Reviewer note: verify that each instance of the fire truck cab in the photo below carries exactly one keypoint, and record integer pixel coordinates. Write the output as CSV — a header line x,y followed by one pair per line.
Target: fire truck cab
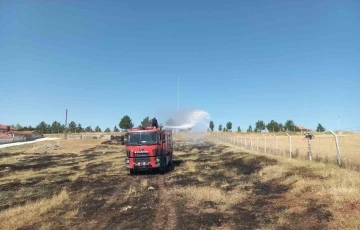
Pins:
x,y
148,149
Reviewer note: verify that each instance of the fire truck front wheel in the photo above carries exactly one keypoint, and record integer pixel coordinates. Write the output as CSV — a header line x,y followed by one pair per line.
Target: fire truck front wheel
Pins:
x,y
131,171
163,165
171,159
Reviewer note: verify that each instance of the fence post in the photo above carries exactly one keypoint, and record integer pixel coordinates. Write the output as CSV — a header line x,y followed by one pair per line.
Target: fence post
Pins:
x,y
290,144
309,137
265,143
257,143
241,142
309,149
251,144
276,143
337,148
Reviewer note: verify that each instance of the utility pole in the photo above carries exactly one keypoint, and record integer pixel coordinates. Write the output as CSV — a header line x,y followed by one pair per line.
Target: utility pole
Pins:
x,y
65,134
339,123
178,94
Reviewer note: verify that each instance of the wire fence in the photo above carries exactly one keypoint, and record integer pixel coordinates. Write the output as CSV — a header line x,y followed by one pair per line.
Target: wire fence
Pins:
x,y
342,149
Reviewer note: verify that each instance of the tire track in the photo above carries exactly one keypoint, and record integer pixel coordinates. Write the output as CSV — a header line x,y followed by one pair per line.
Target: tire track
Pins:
x,y
166,212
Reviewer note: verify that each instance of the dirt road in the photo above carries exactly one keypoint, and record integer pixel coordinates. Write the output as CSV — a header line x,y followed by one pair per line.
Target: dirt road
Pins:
x,y
27,142
211,186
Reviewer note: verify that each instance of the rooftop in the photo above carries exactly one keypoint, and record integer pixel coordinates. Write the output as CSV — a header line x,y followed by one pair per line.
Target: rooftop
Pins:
x,y
23,132
5,136
5,127
303,128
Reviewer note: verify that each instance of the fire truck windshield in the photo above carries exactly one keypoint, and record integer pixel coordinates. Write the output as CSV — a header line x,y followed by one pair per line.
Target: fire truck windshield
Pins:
x,y
142,138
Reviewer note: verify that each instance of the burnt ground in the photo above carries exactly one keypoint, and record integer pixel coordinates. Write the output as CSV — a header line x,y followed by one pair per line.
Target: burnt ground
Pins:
x,y
105,196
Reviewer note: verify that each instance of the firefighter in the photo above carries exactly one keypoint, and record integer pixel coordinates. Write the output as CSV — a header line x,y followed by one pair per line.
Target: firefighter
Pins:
x,y
154,123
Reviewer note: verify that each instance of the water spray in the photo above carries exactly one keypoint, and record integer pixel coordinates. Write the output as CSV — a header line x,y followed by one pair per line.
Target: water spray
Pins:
x,y
189,119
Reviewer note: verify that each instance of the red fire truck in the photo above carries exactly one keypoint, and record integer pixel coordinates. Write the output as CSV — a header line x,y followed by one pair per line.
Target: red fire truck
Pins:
x,y
148,148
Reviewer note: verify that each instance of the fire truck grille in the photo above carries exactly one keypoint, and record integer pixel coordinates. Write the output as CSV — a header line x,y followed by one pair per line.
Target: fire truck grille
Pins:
x,y
139,158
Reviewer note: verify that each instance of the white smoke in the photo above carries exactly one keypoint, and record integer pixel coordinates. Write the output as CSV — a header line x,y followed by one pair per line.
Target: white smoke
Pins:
x,y
188,119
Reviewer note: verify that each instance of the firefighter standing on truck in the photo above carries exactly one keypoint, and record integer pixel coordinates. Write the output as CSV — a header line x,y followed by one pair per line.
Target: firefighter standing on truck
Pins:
x,y
154,123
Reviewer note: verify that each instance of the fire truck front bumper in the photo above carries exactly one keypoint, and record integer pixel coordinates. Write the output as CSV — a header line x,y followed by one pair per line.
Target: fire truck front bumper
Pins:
x,y
142,163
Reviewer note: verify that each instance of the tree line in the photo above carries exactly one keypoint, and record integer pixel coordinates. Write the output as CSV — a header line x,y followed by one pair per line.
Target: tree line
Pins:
x,y
74,127
260,126
127,123
57,127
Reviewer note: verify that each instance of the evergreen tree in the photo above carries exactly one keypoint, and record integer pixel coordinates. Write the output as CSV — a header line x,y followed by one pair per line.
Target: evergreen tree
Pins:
x,y
229,126
115,129
126,123
320,128
249,130
211,125
145,122
259,126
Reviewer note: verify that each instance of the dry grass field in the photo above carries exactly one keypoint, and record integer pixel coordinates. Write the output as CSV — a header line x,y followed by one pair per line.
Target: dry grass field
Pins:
x,y
323,146
82,184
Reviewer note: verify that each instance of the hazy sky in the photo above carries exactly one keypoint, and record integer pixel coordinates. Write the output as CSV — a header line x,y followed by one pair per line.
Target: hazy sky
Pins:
x,y
240,61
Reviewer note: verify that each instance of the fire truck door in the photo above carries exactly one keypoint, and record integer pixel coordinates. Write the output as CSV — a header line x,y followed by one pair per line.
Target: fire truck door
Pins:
x,y
166,143
169,144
